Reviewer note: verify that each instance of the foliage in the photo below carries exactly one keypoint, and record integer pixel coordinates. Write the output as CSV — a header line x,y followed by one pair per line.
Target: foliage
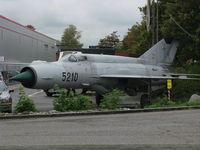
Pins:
x,y
71,102
137,40
119,47
183,89
189,68
111,100
178,20
71,37
194,103
164,102
31,27
24,104
109,41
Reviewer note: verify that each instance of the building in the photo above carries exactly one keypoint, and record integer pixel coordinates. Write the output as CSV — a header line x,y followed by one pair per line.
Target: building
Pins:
x,y
21,44
91,50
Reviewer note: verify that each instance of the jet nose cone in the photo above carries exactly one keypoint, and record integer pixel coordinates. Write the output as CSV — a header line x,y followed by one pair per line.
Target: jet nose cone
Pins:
x,y
26,76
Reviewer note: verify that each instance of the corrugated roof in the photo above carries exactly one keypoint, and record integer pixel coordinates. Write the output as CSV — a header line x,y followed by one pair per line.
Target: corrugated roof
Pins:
x,y
25,27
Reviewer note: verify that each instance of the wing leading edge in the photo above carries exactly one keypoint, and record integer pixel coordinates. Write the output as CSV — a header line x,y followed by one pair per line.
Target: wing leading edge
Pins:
x,y
164,77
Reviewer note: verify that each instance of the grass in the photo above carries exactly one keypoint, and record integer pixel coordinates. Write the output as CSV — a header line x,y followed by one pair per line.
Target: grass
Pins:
x,y
173,104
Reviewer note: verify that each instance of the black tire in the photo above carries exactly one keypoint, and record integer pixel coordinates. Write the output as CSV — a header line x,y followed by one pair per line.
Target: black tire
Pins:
x,y
49,94
84,91
9,109
144,101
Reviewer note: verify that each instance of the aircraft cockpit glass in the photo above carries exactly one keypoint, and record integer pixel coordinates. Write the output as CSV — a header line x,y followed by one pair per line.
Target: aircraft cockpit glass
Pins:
x,y
72,58
65,58
82,58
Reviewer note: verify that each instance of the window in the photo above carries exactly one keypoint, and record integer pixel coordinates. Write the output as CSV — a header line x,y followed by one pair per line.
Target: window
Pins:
x,y
72,58
3,87
82,58
46,46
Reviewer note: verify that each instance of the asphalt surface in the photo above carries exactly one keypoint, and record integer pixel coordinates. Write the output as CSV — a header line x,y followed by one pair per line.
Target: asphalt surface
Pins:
x,y
45,103
42,102
155,130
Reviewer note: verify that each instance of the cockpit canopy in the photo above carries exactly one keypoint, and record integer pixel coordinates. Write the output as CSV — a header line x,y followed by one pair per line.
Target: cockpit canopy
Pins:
x,y
74,57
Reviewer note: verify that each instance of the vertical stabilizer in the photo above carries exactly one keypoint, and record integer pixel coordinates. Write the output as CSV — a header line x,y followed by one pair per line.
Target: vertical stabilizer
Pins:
x,y
161,53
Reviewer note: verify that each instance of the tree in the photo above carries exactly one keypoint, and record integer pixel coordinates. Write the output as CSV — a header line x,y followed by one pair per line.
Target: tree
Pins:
x,y
31,27
109,41
177,20
180,21
70,38
137,40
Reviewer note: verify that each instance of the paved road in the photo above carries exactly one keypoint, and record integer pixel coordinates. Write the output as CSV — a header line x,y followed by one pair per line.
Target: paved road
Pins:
x,y
157,130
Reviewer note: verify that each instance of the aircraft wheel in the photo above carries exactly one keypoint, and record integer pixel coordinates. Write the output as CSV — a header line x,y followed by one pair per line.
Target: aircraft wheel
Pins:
x,y
98,99
144,101
49,94
9,109
84,91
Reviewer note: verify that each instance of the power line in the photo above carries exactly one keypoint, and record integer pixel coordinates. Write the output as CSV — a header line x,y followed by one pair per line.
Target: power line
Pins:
x,y
180,26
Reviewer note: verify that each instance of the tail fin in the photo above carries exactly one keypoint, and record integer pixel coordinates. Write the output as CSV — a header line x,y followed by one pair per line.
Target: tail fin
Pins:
x,y
161,53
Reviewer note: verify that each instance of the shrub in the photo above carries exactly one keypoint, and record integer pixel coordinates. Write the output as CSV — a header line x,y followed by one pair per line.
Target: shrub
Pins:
x,y
111,100
183,89
194,103
24,104
60,103
71,102
164,102
84,101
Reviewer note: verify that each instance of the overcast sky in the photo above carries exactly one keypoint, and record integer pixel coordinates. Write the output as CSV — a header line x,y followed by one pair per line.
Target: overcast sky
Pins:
x,y
94,18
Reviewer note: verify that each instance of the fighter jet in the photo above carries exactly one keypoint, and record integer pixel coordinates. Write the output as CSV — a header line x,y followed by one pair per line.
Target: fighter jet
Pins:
x,y
102,73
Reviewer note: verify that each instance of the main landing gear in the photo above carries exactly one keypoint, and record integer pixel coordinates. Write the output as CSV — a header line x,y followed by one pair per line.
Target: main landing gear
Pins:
x,y
98,99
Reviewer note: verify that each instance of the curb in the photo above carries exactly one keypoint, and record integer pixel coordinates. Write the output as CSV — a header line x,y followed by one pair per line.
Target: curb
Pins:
x,y
87,113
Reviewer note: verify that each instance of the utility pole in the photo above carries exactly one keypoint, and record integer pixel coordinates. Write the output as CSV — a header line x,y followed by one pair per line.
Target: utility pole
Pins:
x,y
148,15
152,19
153,22
157,22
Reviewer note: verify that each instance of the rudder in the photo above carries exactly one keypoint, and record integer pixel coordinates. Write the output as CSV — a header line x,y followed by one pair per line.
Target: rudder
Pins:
x,y
161,53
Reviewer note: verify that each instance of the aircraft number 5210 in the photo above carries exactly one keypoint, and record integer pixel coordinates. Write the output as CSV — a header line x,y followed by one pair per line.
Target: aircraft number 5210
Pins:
x,y
69,77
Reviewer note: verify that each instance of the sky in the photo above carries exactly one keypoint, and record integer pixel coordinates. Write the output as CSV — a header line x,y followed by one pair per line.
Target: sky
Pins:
x,y
94,18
